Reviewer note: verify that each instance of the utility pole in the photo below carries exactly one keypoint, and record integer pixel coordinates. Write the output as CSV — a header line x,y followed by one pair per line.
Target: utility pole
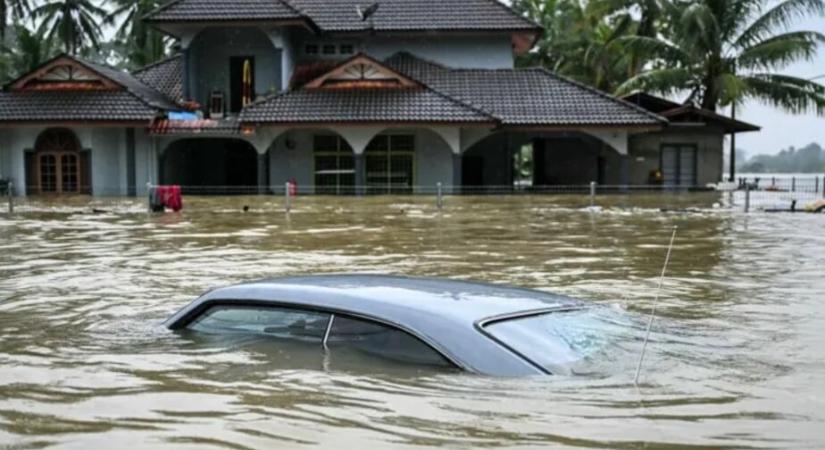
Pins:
x,y
733,144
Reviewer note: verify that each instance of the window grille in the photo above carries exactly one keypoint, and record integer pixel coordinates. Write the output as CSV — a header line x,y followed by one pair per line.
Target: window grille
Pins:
x,y
334,165
390,164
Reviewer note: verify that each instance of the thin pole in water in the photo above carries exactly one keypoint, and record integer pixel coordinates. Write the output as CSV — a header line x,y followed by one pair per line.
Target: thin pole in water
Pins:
x,y
592,194
747,197
440,200
287,198
10,188
655,304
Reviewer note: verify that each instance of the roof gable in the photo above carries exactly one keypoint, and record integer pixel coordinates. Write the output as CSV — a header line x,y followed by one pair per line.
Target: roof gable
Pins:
x,y
64,73
362,72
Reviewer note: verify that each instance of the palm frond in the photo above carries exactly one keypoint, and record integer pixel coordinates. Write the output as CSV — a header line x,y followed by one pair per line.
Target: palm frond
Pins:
x,y
779,17
779,51
793,94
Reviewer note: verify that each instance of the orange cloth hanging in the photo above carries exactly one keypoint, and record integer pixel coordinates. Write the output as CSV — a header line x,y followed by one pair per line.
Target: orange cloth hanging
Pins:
x,y
246,94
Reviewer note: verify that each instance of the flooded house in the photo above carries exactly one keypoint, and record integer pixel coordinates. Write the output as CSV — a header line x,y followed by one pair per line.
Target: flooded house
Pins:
x,y
338,97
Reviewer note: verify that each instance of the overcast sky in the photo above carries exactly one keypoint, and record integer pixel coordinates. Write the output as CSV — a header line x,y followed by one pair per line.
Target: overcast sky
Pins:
x,y
781,130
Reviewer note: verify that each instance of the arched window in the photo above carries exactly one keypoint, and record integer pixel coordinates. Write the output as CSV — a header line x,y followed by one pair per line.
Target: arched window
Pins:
x,y
55,166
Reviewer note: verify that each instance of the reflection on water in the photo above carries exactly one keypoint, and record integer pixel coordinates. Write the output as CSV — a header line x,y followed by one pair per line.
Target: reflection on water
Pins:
x,y
735,361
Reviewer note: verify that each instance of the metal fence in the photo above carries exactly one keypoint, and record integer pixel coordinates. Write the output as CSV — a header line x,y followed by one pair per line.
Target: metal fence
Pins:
x,y
748,194
780,193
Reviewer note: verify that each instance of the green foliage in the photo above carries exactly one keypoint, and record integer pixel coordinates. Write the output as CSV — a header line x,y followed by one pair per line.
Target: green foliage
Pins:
x,y
26,53
16,10
719,52
138,43
76,24
808,159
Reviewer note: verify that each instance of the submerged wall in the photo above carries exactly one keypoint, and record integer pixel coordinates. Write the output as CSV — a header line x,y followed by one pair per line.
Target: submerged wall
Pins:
x,y
645,152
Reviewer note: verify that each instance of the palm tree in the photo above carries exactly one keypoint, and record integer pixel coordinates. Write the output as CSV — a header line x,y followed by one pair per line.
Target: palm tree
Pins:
x,y
580,39
74,22
722,52
27,53
18,9
141,44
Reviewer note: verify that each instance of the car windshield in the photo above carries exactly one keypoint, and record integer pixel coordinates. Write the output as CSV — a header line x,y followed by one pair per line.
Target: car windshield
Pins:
x,y
584,341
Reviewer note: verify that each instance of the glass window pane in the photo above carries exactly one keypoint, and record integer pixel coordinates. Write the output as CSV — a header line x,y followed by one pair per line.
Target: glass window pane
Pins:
x,y
311,49
381,340
329,49
379,144
282,323
565,342
402,143
325,143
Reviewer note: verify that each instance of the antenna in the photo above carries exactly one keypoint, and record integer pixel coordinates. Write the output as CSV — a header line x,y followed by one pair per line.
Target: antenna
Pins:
x,y
655,304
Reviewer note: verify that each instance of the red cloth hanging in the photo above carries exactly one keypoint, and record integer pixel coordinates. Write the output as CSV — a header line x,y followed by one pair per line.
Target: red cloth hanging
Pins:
x,y
170,197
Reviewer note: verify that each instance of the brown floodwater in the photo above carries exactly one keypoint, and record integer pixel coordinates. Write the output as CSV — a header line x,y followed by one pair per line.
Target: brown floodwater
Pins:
x,y
736,360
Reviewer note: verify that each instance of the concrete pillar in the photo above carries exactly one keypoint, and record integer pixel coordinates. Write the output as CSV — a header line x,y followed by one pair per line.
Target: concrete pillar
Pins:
x,y
261,166
457,172
624,171
360,173
539,161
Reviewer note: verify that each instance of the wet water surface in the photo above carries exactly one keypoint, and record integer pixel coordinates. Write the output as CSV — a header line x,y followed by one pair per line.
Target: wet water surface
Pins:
x,y
737,359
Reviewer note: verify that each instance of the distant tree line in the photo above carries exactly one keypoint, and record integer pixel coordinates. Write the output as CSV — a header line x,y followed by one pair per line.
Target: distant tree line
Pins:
x,y
808,159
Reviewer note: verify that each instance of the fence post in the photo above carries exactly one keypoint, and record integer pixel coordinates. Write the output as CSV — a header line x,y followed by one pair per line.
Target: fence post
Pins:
x,y
10,191
773,181
747,197
793,184
149,196
440,196
287,198
592,194
816,185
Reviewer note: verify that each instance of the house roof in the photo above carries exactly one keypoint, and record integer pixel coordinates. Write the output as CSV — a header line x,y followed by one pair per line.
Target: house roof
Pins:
x,y
73,106
68,88
222,10
341,15
165,76
526,97
413,15
688,113
509,97
361,106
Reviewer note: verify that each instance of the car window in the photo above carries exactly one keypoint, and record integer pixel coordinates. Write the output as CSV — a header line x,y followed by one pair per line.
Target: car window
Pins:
x,y
272,321
580,341
381,340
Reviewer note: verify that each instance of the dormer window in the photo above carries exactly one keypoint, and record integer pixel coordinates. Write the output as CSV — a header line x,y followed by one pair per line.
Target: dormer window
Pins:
x,y
329,49
311,49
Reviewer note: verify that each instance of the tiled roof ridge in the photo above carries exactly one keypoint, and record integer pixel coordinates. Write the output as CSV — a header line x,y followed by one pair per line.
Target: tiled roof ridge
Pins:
x,y
97,68
597,92
446,95
512,11
156,63
160,8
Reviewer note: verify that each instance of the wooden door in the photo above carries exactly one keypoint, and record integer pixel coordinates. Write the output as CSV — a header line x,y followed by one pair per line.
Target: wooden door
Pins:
x,y
58,172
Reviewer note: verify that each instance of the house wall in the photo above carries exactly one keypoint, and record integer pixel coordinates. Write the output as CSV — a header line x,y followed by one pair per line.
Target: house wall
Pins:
x,y
469,51
433,158
209,56
107,146
709,141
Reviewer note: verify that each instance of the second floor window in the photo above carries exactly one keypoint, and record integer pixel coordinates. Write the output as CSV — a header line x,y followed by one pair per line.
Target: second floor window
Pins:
x,y
311,49
329,49
346,49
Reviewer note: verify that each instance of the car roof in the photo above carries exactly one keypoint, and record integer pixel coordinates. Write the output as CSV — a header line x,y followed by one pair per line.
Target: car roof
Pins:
x,y
442,312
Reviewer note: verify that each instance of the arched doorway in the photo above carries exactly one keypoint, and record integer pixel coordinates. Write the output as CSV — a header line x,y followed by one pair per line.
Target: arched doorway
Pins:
x,y
212,166
57,165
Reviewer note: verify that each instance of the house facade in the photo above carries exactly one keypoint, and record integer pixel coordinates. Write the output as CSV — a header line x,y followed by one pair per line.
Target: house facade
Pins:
x,y
338,97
